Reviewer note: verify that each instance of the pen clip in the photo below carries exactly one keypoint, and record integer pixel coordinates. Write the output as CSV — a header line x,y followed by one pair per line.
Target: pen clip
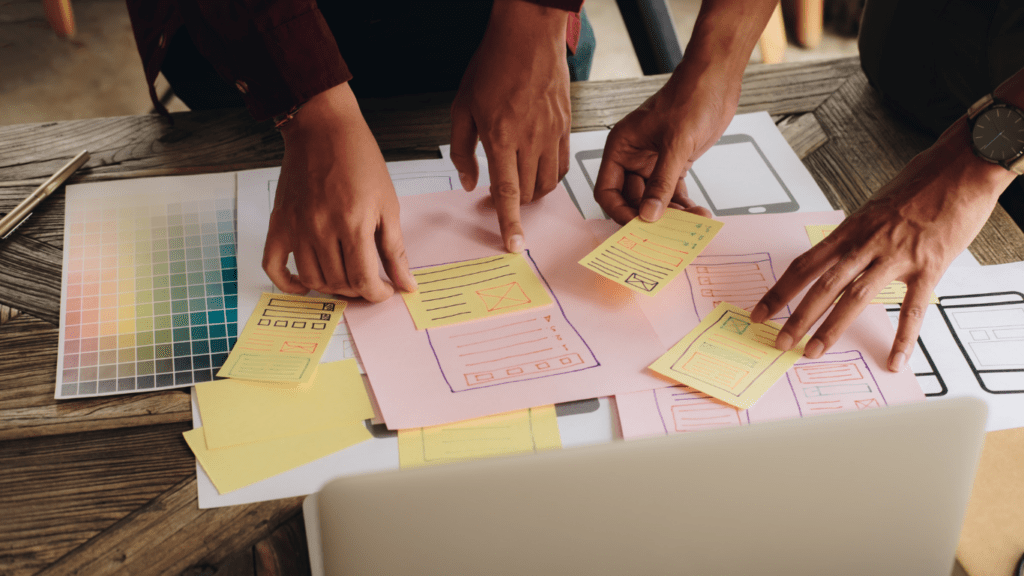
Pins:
x,y
18,225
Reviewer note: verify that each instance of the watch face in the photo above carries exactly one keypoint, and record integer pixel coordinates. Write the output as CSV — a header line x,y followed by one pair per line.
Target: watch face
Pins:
x,y
999,133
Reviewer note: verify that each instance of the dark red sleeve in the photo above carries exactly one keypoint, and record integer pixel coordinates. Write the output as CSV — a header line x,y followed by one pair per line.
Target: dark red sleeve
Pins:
x,y
569,5
278,53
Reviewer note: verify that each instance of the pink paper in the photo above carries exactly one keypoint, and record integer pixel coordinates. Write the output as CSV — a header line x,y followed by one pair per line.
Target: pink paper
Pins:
x,y
593,342
742,262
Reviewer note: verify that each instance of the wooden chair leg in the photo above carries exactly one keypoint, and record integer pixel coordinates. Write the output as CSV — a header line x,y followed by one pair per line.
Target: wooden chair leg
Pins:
x,y
773,39
808,18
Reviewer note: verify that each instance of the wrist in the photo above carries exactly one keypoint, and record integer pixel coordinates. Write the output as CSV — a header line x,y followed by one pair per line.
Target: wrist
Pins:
x,y
983,177
526,21
335,107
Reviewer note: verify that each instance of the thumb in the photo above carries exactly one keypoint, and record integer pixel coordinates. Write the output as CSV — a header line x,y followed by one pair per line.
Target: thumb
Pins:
x,y
463,152
661,185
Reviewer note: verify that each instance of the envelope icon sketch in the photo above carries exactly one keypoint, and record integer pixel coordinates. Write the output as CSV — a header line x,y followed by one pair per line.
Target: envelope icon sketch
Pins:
x,y
298,347
645,285
869,403
505,296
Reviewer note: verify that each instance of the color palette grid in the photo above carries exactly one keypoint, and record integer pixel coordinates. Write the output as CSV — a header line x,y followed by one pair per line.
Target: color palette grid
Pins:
x,y
150,286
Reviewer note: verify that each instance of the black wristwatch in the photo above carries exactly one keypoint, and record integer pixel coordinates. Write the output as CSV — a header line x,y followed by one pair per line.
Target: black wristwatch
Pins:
x,y
997,133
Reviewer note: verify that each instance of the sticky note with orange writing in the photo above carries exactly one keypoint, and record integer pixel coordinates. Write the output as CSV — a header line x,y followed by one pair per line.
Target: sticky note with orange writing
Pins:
x,y
474,289
284,339
729,357
645,256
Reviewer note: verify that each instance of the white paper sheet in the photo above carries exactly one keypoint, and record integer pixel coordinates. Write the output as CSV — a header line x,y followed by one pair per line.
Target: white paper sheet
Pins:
x,y
772,178
972,342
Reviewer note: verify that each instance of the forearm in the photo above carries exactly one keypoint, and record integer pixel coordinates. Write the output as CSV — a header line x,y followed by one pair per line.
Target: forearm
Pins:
x,y
725,33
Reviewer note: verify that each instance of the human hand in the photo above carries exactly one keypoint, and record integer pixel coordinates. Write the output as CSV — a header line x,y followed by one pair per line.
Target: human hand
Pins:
x,y
911,230
514,97
336,207
648,152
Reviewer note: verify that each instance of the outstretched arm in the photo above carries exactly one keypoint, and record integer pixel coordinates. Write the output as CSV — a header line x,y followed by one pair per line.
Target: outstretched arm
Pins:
x,y
649,151
911,230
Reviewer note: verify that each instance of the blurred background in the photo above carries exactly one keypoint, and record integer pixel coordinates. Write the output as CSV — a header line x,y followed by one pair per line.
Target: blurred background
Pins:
x,y
98,72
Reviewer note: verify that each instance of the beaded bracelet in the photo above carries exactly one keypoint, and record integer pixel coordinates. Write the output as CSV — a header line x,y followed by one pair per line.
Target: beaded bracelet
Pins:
x,y
282,119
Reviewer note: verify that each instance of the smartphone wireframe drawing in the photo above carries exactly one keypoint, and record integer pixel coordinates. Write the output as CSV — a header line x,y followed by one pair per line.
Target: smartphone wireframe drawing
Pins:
x,y
735,177
989,329
590,161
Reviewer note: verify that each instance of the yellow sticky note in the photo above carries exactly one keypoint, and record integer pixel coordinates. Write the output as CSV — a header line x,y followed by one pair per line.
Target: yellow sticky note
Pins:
x,y
474,289
284,339
893,293
645,256
238,466
527,430
238,412
729,357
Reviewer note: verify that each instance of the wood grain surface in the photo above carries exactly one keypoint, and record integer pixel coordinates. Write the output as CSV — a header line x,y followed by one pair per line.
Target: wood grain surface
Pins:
x,y
98,486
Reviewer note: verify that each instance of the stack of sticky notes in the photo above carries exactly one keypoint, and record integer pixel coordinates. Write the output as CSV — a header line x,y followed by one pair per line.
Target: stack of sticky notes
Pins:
x,y
255,430
280,408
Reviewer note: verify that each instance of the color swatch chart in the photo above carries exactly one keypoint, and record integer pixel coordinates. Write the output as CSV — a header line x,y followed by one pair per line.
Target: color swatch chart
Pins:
x,y
150,284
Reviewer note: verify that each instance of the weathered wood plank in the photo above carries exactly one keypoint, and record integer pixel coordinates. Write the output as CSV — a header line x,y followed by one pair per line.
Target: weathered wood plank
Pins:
x,y
7,314
57,493
802,132
31,276
28,356
46,224
171,534
868,145
222,140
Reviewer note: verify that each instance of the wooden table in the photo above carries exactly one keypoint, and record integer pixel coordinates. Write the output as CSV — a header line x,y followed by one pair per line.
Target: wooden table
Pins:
x,y
95,486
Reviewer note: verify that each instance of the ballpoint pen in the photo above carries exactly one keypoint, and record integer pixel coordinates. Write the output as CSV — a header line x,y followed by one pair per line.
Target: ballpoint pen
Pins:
x,y
16,217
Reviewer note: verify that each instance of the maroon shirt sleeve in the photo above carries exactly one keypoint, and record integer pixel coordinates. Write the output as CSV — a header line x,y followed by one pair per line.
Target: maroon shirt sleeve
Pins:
x,y
278,53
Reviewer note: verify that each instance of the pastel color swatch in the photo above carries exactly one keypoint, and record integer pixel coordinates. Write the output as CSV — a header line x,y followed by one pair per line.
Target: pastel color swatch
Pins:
x,y
149,296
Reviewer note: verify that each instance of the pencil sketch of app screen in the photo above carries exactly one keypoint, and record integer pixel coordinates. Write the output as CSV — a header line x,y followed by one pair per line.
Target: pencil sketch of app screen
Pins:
x,y
990,330
735,178
920,359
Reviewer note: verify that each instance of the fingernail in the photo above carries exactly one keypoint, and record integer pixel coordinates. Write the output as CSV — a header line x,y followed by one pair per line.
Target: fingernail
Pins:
x,y
759,313
814,348
516,243
651,209
413,285
896,362
783,341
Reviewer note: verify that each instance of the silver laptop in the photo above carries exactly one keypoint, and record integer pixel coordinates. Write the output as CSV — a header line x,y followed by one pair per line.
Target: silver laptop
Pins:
x,y
881,491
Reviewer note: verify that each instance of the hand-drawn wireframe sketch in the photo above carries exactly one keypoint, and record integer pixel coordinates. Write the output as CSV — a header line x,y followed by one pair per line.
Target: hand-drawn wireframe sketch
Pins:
x,y
646,256
989,330
729,357
740,279
921,360
466,290
836,382
728,191
683,409
534,343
